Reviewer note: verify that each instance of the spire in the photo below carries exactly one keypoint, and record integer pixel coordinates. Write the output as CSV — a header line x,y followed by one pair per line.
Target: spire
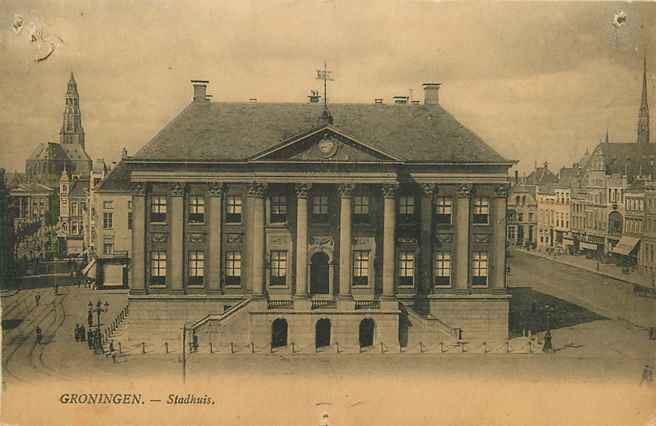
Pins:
x,y
72,131
643,116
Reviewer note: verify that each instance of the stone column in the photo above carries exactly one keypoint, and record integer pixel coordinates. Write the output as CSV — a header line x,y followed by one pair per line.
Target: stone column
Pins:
x,y
389,237
256,230
214,226
302,191
138,252
499,232
426,254
175,214
462,236
345,199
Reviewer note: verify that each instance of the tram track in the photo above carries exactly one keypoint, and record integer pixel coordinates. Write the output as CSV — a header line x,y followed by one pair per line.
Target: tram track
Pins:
x,y
23,339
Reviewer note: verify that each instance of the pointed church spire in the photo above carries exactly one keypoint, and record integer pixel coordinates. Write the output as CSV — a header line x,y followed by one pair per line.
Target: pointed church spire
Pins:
x,y
643,116
72,131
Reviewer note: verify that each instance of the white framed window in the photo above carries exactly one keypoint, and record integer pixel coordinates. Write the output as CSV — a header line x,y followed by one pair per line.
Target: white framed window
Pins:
x,y
158,208
361,206
481,211
479,269
233,209
108,220
442,269
108,246
278,267
360,267
278,208
196,267
158,267
407,268
407,207
196,209
443,210
233,267
320,207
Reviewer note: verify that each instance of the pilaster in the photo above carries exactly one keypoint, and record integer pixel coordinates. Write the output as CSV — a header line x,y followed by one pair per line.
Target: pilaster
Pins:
x,y
175,270
256,193
463,198
345,262
214,222
499,232
138,253
389,236
302,191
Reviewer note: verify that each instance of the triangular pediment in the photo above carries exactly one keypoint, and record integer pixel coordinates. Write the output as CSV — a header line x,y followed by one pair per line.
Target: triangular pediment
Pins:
x,y
325,144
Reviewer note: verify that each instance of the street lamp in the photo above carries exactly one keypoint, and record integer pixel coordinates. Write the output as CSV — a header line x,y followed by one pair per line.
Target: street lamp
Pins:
x,y
99,309
547,336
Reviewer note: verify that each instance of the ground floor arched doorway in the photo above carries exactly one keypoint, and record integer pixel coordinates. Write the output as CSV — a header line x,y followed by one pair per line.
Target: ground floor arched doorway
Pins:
x,y
367,332
279,333
322,333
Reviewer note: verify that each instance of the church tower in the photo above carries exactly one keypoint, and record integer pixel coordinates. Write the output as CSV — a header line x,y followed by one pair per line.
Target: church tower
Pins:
x,y
643,117
71,131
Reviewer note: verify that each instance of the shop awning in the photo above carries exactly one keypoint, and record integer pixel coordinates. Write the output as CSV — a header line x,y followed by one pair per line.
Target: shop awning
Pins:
x,y
587,246
625,245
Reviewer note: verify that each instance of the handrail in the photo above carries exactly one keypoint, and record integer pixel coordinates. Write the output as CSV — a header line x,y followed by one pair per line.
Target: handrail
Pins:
x,y
219,317
441,325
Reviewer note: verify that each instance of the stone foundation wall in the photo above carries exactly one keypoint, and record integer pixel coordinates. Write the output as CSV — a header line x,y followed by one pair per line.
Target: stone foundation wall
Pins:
x,y
480,318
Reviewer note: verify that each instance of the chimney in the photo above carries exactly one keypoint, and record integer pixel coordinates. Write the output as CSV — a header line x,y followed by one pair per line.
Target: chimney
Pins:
x,y
431,93
314,97
200,90
378,100
516,177
400,100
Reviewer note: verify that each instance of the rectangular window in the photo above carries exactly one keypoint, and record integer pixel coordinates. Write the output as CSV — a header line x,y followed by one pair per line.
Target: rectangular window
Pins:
x,y
233,268
443,210
108,246
360,267
278,267
108,220
233,209
407,208
320,208
130,220
278,209
407,268
196,209
481,211
108,205
479,269
158,208
73,208
442,269
196,267
158,267
361,208
521,217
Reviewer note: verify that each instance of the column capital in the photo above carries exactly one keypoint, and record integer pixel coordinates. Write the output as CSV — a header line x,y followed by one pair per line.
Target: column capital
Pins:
x,y
302,189
257,189
501,191
345,190
215,189
390,190
176,190
428,189
464,191
138,189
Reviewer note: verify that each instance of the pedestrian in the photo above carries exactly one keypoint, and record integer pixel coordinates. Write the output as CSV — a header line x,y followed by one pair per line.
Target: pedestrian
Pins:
x,y
113,356
83,334
195,343
647,375
90,338
39,335
77,332
547,342
37,299
90,319
111,346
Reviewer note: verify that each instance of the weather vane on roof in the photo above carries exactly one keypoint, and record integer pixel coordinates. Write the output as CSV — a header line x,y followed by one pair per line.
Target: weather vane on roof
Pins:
x,y
324,75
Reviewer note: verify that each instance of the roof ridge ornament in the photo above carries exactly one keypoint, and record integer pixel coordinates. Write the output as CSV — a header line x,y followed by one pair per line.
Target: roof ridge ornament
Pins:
x,y
324,74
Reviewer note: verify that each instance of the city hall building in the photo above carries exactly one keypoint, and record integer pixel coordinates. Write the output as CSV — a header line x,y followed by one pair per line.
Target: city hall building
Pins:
x,y
317,225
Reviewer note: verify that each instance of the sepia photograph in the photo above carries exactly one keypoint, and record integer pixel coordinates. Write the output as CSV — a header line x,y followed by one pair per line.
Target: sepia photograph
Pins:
x,y
325,212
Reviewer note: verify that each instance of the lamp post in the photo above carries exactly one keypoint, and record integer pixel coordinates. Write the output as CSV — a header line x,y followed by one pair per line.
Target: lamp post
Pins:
x,y
99,309
547,336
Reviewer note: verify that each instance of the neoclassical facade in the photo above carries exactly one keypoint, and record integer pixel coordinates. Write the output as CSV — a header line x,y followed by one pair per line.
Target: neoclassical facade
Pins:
x,y
356,225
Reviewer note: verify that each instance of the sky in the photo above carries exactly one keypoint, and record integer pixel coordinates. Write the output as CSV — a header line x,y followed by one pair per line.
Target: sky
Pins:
x,y
537,81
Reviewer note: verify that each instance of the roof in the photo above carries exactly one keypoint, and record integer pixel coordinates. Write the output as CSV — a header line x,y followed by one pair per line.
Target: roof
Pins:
x,y
79,188
541,176
48,151
633,158
210,131
118,179
569,176
99,166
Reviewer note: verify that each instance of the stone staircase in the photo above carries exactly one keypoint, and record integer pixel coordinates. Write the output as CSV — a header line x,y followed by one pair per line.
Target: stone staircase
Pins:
x,y
119,334
427,329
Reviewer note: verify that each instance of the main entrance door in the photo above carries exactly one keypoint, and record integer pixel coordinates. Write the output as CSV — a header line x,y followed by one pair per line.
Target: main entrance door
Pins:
x,y
322,336
319,274
279,333
366,332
